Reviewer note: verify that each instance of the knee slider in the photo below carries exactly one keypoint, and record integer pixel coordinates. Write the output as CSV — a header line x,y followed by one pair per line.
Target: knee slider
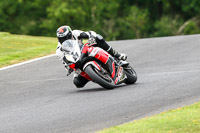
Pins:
x,y
78,83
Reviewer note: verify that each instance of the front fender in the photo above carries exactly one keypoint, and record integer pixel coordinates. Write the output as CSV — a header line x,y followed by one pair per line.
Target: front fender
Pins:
x,y
93,63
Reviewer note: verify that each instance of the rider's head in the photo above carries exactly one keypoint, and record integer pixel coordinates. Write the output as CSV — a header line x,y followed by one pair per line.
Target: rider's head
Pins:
x,y
64,33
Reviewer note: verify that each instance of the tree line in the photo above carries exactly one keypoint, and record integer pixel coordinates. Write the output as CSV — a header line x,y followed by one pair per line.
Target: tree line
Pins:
x,y
114,19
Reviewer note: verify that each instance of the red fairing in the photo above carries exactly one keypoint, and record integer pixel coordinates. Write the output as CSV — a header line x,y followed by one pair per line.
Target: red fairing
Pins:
x,y
113,68
116,80
87,49
118,74
90,49
72,66
86,44
83,74
102,56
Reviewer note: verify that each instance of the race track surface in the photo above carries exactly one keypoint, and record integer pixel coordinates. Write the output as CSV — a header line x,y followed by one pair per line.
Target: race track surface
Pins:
x,y
38,97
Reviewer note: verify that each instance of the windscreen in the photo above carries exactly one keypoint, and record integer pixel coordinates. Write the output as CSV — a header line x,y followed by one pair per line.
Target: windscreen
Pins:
x,y
72,50
68,46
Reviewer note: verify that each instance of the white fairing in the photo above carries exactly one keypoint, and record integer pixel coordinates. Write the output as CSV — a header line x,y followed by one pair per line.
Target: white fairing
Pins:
x,y
71,50
59,53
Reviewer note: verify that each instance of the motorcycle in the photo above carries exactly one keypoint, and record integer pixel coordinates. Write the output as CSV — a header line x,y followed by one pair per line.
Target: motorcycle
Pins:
x,y
95,64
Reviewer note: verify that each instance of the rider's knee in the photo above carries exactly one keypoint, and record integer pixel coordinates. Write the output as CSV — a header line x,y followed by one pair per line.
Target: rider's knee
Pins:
x,y
80,81
77,83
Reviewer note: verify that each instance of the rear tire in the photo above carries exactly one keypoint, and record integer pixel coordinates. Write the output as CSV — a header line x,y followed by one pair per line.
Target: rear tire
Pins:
x,y
131,75
97,77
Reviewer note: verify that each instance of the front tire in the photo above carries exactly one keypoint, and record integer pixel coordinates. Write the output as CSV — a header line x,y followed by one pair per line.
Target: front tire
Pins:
x,y
98,77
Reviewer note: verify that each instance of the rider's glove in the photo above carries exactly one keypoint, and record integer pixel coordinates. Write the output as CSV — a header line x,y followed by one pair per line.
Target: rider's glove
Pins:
x,y
68,69
121,56
91,41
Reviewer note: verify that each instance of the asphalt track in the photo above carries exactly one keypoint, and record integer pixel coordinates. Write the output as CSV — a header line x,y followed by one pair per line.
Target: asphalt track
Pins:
x,y
38,97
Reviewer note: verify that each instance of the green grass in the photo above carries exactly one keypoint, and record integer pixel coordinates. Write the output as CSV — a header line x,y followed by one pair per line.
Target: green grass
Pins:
x,y
18,48
181,120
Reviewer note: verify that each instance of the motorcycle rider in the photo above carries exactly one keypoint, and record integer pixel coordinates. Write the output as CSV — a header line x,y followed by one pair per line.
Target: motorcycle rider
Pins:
x,y
94,39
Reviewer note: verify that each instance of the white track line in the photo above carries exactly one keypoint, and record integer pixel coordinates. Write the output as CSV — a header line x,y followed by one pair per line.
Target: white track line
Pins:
x,y
29,81
29,61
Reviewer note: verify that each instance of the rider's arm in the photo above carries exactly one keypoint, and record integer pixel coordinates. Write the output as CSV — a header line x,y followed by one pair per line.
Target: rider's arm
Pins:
x,y
87,35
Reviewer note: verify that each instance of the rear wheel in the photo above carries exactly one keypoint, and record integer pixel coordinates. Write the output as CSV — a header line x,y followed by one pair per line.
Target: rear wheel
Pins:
x,y
131,75
100,77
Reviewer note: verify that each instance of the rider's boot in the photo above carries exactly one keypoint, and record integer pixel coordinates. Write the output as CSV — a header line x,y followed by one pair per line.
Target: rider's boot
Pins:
x,y
102,44
119,56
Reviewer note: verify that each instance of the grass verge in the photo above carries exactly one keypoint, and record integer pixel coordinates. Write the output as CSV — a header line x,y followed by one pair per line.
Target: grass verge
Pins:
x,y
181,120
18,48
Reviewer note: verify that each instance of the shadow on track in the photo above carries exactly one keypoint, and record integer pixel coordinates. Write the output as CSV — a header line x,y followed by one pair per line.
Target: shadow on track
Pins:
x,y
82,90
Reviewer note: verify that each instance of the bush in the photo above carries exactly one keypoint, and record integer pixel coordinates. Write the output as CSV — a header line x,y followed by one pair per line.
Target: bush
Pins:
x,y
191,28
167,26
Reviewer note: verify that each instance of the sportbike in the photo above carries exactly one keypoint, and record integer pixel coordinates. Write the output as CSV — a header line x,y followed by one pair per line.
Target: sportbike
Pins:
x,y
95,64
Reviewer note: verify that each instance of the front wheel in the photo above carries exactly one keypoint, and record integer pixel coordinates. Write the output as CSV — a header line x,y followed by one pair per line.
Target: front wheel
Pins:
x,y
100,77
131,75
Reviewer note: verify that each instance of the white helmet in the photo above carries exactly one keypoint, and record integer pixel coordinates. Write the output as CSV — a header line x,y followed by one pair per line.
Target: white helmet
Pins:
x,y
64,33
